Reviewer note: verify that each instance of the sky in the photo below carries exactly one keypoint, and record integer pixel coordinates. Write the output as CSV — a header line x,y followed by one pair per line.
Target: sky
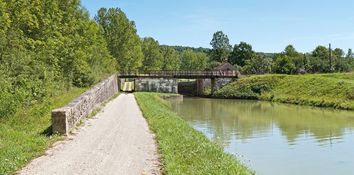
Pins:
x,y
268,25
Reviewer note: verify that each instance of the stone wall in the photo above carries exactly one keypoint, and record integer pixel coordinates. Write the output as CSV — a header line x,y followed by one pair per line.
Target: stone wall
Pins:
x,y
220,82
66,118
156,85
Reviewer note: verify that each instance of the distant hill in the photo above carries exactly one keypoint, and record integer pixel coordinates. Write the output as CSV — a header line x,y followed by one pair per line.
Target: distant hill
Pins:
x,y
269,55
207,50
183,48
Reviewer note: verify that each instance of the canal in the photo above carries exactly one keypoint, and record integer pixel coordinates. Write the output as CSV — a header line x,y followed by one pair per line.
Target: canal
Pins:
x,y
275,139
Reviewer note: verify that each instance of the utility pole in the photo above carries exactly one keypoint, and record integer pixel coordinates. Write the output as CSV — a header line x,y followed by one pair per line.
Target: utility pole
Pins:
x,y
330,58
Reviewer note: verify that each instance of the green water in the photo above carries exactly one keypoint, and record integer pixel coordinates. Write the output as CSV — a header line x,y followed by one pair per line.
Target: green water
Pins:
x,y
276,139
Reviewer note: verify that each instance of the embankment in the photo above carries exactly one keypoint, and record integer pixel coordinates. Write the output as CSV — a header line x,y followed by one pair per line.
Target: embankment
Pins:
x,y
183,149
322,90
27,134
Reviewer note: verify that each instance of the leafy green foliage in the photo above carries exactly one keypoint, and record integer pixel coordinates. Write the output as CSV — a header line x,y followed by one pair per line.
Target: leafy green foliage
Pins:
x,y
46,46
25,135
241,53
171,59
153,58
283,65
183,149
257,64
193,60
221,47
122,39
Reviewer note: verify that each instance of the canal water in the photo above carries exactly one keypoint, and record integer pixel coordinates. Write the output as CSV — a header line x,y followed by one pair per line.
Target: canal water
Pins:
x,y
276,139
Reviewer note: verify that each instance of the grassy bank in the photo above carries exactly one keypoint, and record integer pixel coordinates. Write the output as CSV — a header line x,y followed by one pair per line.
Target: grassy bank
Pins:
x,y
323,90
183,149
26,135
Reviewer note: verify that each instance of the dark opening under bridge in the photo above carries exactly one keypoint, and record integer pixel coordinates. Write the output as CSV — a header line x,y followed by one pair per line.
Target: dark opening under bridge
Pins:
x,y
143,80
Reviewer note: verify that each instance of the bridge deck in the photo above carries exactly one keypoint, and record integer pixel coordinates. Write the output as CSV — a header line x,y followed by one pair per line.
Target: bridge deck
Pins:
x,y
179,74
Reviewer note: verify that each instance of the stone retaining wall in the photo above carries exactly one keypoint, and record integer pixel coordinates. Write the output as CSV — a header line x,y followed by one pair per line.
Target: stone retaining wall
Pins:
x,y
66,118
220,82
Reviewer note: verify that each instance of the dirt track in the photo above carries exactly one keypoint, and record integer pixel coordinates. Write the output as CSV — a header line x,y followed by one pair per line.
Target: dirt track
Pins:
x,y
115,141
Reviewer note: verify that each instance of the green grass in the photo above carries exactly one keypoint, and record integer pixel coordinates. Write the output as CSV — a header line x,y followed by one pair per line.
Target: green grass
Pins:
x,y
183,149
27,134
322,90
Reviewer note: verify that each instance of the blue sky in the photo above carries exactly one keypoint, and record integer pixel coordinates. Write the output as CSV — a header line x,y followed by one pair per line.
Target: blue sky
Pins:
x,y
268,25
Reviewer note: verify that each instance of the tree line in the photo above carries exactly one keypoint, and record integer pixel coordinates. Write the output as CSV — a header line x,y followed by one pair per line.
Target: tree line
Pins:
x,y
132,52
290,61
47,47
148,54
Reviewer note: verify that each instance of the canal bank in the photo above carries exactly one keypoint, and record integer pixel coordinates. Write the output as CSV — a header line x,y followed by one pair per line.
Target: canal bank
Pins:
x,y
183,149
321,90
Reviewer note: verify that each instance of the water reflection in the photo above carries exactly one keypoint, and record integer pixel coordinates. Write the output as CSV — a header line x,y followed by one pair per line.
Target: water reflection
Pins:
x,y
242,127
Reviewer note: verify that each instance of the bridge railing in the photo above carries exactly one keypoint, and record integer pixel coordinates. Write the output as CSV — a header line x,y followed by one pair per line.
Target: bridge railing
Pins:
x,y
140,73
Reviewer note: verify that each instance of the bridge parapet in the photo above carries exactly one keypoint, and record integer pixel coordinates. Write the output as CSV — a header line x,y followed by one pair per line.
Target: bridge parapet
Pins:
x,y
179,74
66,118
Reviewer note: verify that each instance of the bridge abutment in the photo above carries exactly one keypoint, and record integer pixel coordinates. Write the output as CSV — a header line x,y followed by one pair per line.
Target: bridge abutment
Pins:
x,y
200,87
165,85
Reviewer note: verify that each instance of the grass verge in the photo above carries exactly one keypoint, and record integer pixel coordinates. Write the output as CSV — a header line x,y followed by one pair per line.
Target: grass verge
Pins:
x,y
322,90
27,134
183,149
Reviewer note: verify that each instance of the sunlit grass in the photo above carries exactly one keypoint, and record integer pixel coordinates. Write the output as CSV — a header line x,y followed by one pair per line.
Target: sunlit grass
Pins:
x,y
27,134
323,90
183,149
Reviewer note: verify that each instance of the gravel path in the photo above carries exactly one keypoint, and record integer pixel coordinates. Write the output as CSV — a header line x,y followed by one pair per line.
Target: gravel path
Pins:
x,y
116,141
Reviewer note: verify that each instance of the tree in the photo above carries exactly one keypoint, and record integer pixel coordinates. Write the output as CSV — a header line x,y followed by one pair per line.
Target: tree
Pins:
x,y
342,65
47,47
241,53
283,65
171,59
297,58
193,60
321,52
337,52
349,54
290,51
121,35
221,47
257,64
153,58
316,64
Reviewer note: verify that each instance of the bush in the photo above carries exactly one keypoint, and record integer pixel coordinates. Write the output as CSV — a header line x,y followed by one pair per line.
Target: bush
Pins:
x,y
8,104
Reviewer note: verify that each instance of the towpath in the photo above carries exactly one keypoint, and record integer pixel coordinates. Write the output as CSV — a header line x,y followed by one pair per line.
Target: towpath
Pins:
x,y
116,141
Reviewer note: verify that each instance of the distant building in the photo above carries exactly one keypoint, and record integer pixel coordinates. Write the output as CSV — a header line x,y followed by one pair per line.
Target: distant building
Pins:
x,y
225,66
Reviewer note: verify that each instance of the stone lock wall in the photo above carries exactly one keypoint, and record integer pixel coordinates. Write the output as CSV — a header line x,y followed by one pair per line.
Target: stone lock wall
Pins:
x,y
65,119
156,85
220,82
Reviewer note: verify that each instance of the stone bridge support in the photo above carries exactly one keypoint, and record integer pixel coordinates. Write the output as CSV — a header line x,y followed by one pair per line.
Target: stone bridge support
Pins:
x,y
213,85
200,87
165,85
